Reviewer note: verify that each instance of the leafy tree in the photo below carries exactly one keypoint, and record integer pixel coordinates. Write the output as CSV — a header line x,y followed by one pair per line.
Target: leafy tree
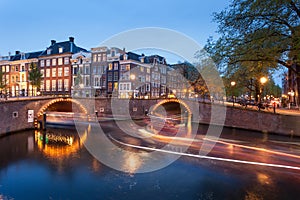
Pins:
x,y
256,37
35,76
2,82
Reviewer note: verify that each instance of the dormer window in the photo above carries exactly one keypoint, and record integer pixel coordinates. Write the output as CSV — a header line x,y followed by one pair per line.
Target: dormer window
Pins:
x,y
48,51
60,50
125,56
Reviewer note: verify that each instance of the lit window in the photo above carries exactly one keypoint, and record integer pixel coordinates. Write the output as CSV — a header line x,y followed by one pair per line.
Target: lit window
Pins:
x,y
59,87
53,61
142,68
42,72
127,67
116,66
66,71
59,72
99,57
110,66
60,50
115,86
47,72
53,85
66,83
60,61
47,85
148,70
53,72
95,58
7,68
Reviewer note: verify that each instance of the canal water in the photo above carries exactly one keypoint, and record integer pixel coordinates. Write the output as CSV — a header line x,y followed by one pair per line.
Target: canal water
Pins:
x,y
56,165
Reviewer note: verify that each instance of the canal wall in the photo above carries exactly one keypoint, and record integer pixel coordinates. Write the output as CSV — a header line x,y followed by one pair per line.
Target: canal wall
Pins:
x,y
14,114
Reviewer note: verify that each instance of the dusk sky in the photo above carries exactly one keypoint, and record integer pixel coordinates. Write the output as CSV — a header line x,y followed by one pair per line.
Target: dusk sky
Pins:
x,y
30,25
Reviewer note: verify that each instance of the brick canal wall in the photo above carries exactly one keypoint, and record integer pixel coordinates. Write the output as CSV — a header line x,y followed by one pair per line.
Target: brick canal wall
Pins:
x,y
14,114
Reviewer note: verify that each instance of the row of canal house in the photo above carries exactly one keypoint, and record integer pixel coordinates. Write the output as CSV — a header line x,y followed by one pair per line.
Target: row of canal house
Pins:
x,y
68,69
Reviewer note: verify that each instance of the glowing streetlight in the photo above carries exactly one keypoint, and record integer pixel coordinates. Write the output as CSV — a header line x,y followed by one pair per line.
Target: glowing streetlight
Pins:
x,y
263,80
232,83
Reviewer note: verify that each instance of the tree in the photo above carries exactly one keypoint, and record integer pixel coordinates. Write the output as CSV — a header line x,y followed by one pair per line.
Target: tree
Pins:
x,y
258,36
35,76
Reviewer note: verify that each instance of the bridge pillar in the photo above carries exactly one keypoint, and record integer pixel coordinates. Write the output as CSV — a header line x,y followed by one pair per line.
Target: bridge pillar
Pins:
x,y
44,121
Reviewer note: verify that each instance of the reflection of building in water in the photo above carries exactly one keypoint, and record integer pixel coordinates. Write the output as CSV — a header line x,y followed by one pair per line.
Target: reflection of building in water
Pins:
x,y
57,146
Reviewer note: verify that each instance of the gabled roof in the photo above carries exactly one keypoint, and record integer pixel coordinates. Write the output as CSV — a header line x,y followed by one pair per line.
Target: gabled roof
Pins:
x,y
67,47
23,56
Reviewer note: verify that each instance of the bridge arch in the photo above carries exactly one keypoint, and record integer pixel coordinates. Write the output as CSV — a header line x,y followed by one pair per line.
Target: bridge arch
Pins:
x,y
47,105
181,102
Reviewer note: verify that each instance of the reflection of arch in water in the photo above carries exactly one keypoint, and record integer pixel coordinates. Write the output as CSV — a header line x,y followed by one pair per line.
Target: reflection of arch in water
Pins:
x,y
58,151
46,106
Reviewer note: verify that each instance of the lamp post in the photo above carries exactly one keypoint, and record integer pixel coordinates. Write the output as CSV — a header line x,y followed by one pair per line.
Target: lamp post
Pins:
x,y
232,83
262,80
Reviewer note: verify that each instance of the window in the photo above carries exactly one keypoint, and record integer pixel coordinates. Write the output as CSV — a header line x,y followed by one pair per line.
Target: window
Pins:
x,y
23,78
116,76
87,69
99,57
123,67
17,68
67,60
42,72
110,66
87,81
95,58
59,87
60,61
66,83
59,72
66,71
110,86
48,51
109,76
48,63
127,67
42,86
116,86
104,57
148,70
12,68
53,85
47,72
42,63
12,79
116,66
3,68
53,72
23,69
53,61
60,50
47,85
7,68
113,53
142,68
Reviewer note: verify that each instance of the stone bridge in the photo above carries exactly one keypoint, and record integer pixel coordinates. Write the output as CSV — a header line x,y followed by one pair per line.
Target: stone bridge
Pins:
x,y
14,113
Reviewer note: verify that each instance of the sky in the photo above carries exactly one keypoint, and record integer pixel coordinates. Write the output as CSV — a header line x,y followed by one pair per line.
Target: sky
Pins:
x,y
30,25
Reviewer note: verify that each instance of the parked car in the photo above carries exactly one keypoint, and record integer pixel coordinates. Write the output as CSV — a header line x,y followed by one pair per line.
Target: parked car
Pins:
x,y
277,103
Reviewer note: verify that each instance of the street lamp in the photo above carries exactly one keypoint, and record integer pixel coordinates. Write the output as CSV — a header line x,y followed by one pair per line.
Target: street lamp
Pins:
x,y
232,83
262,80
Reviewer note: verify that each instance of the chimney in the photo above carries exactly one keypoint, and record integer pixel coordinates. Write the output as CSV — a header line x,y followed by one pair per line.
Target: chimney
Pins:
x,y
71,39
53,42
17,52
